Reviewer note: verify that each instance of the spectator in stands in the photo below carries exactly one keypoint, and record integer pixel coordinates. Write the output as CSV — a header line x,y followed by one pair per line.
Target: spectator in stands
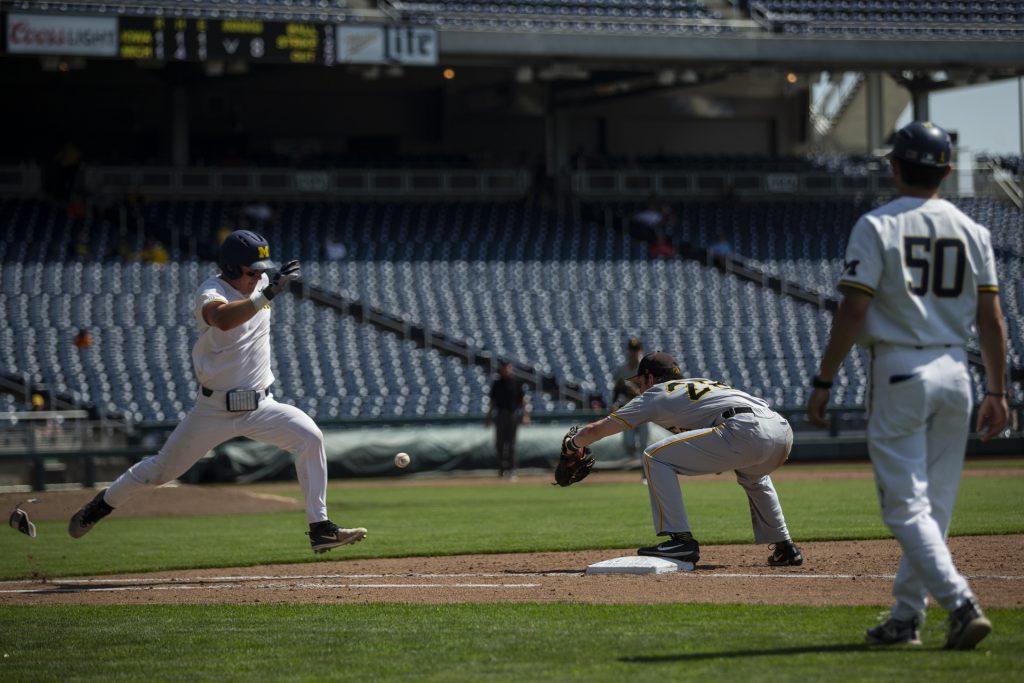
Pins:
x,y
634,441
661,246
720,250
334,248
644,224
259,214
38,402
83,339
67,162
507,411
154,252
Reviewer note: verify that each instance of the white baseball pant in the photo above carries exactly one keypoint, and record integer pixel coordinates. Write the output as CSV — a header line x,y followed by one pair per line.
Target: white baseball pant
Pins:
x,y
209,424
751,444
920,410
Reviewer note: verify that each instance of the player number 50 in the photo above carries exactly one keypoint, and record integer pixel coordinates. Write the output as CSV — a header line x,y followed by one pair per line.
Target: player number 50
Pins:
x,y
935,259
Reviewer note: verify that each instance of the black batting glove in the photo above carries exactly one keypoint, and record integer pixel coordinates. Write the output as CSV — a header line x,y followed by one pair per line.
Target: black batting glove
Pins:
x,y
280,279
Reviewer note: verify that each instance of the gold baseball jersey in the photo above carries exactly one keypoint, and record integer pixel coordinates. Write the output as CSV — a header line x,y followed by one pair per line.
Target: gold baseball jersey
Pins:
x,y
684,404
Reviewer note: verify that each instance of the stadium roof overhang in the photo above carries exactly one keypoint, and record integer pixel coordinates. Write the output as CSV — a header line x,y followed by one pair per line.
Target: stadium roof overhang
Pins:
x,y
825,52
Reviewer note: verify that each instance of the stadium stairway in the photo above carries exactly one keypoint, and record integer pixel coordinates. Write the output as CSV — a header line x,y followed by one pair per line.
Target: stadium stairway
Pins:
x,y
446,344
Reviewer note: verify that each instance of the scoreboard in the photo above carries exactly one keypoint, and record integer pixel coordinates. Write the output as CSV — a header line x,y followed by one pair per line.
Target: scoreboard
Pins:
x,y
199,40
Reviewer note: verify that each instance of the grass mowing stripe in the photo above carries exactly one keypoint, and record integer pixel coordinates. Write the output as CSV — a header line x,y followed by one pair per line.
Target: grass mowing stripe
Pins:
x,y
514,518
469,642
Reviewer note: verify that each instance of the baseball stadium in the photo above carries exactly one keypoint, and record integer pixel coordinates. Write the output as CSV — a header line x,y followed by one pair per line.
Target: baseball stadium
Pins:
x,y
512,340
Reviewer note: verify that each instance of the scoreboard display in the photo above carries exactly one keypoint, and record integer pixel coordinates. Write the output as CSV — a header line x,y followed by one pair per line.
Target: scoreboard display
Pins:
x,y
251,40
199,39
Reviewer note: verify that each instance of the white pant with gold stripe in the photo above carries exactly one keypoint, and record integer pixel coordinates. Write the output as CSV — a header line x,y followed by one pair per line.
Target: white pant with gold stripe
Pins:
x,y
751,445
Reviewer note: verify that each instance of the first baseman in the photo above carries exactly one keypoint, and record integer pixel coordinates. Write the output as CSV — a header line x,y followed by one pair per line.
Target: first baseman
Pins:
x,y
232,365
919,274
715,428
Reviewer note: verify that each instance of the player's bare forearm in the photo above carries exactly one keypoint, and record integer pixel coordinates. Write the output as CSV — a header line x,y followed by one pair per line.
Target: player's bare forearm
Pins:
x,y
226,316
846,327
595,431
992,335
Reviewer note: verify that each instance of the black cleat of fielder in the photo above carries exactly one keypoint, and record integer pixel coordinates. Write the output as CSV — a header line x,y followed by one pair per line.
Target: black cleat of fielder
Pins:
x,y
326,535
785,554
85,519
681,546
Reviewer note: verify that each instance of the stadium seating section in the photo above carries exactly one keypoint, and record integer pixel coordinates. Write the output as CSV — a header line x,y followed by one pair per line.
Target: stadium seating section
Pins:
x,y
619,16
508,277
939,18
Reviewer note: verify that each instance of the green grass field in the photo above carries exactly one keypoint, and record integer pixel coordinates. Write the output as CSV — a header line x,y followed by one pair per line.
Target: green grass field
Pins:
x,y
473,642
483,519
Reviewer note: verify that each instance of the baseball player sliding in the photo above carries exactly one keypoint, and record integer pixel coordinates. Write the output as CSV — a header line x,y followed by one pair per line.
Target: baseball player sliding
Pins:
x,y
715,428
918,274
232,363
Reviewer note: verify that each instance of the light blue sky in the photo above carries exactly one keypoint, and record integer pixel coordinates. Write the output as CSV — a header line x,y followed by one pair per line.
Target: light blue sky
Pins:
x,y
987,117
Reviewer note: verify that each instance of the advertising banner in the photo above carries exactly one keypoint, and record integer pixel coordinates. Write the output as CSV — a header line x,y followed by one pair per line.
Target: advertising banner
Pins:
x,y
51,34
360,45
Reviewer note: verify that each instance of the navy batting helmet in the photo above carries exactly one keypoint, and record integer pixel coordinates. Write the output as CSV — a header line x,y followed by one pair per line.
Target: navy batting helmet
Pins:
x,y
244,248
922,143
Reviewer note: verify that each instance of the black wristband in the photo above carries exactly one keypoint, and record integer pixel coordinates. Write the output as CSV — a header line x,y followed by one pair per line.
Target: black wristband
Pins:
x,y
269,293
819,383
997,394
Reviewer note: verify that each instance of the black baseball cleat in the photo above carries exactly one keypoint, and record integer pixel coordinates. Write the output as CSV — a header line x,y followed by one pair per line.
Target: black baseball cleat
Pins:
x,y
682,546
326,535
785,554
968,626
895,631
85,519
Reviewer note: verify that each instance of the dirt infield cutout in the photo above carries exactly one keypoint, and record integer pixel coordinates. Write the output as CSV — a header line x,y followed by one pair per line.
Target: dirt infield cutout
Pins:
x,y
835,573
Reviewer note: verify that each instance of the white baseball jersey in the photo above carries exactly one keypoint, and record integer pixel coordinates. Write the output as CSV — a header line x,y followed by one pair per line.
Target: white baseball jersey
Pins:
x,y
684,404
924,262
238,358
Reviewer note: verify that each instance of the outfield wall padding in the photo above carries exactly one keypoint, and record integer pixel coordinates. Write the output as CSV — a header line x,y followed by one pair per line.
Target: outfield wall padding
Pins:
x,y
370,451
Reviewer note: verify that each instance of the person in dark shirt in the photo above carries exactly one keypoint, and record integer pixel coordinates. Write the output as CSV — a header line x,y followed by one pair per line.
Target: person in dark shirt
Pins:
x,y
508,411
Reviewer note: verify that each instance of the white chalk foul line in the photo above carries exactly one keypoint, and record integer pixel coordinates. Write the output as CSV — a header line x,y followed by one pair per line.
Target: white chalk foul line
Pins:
x,y
300,577
278,581
57,589
206,580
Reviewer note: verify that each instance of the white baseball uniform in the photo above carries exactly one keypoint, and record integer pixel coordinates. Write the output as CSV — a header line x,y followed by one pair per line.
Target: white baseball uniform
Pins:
x,y
225,360
924,262
753,442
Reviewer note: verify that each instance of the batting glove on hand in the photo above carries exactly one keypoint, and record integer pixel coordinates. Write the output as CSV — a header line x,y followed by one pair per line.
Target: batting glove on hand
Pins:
x,y
279,280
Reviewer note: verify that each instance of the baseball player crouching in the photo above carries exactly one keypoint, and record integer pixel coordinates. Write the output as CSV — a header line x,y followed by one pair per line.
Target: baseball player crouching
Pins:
x,y
919,273
232,363
715,428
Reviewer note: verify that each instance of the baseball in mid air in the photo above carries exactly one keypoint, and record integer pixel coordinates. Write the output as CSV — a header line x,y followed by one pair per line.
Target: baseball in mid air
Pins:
x,y
402,460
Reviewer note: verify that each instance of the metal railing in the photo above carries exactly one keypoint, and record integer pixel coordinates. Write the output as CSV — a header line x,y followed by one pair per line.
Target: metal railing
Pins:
x,y
298,183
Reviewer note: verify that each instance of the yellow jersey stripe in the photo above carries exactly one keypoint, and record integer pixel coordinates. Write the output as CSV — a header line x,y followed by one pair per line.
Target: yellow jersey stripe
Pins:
x,y
621,420
856,285
994,289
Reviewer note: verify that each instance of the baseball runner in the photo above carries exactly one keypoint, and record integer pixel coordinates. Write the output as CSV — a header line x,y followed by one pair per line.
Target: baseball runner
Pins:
x,y
232,363
715,428
918,274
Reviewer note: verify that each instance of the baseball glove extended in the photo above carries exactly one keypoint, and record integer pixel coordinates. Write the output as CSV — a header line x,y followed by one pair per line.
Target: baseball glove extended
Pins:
x,y
575,463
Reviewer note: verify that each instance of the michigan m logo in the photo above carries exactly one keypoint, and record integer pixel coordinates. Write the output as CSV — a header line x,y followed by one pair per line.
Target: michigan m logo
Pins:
x,y
264,252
